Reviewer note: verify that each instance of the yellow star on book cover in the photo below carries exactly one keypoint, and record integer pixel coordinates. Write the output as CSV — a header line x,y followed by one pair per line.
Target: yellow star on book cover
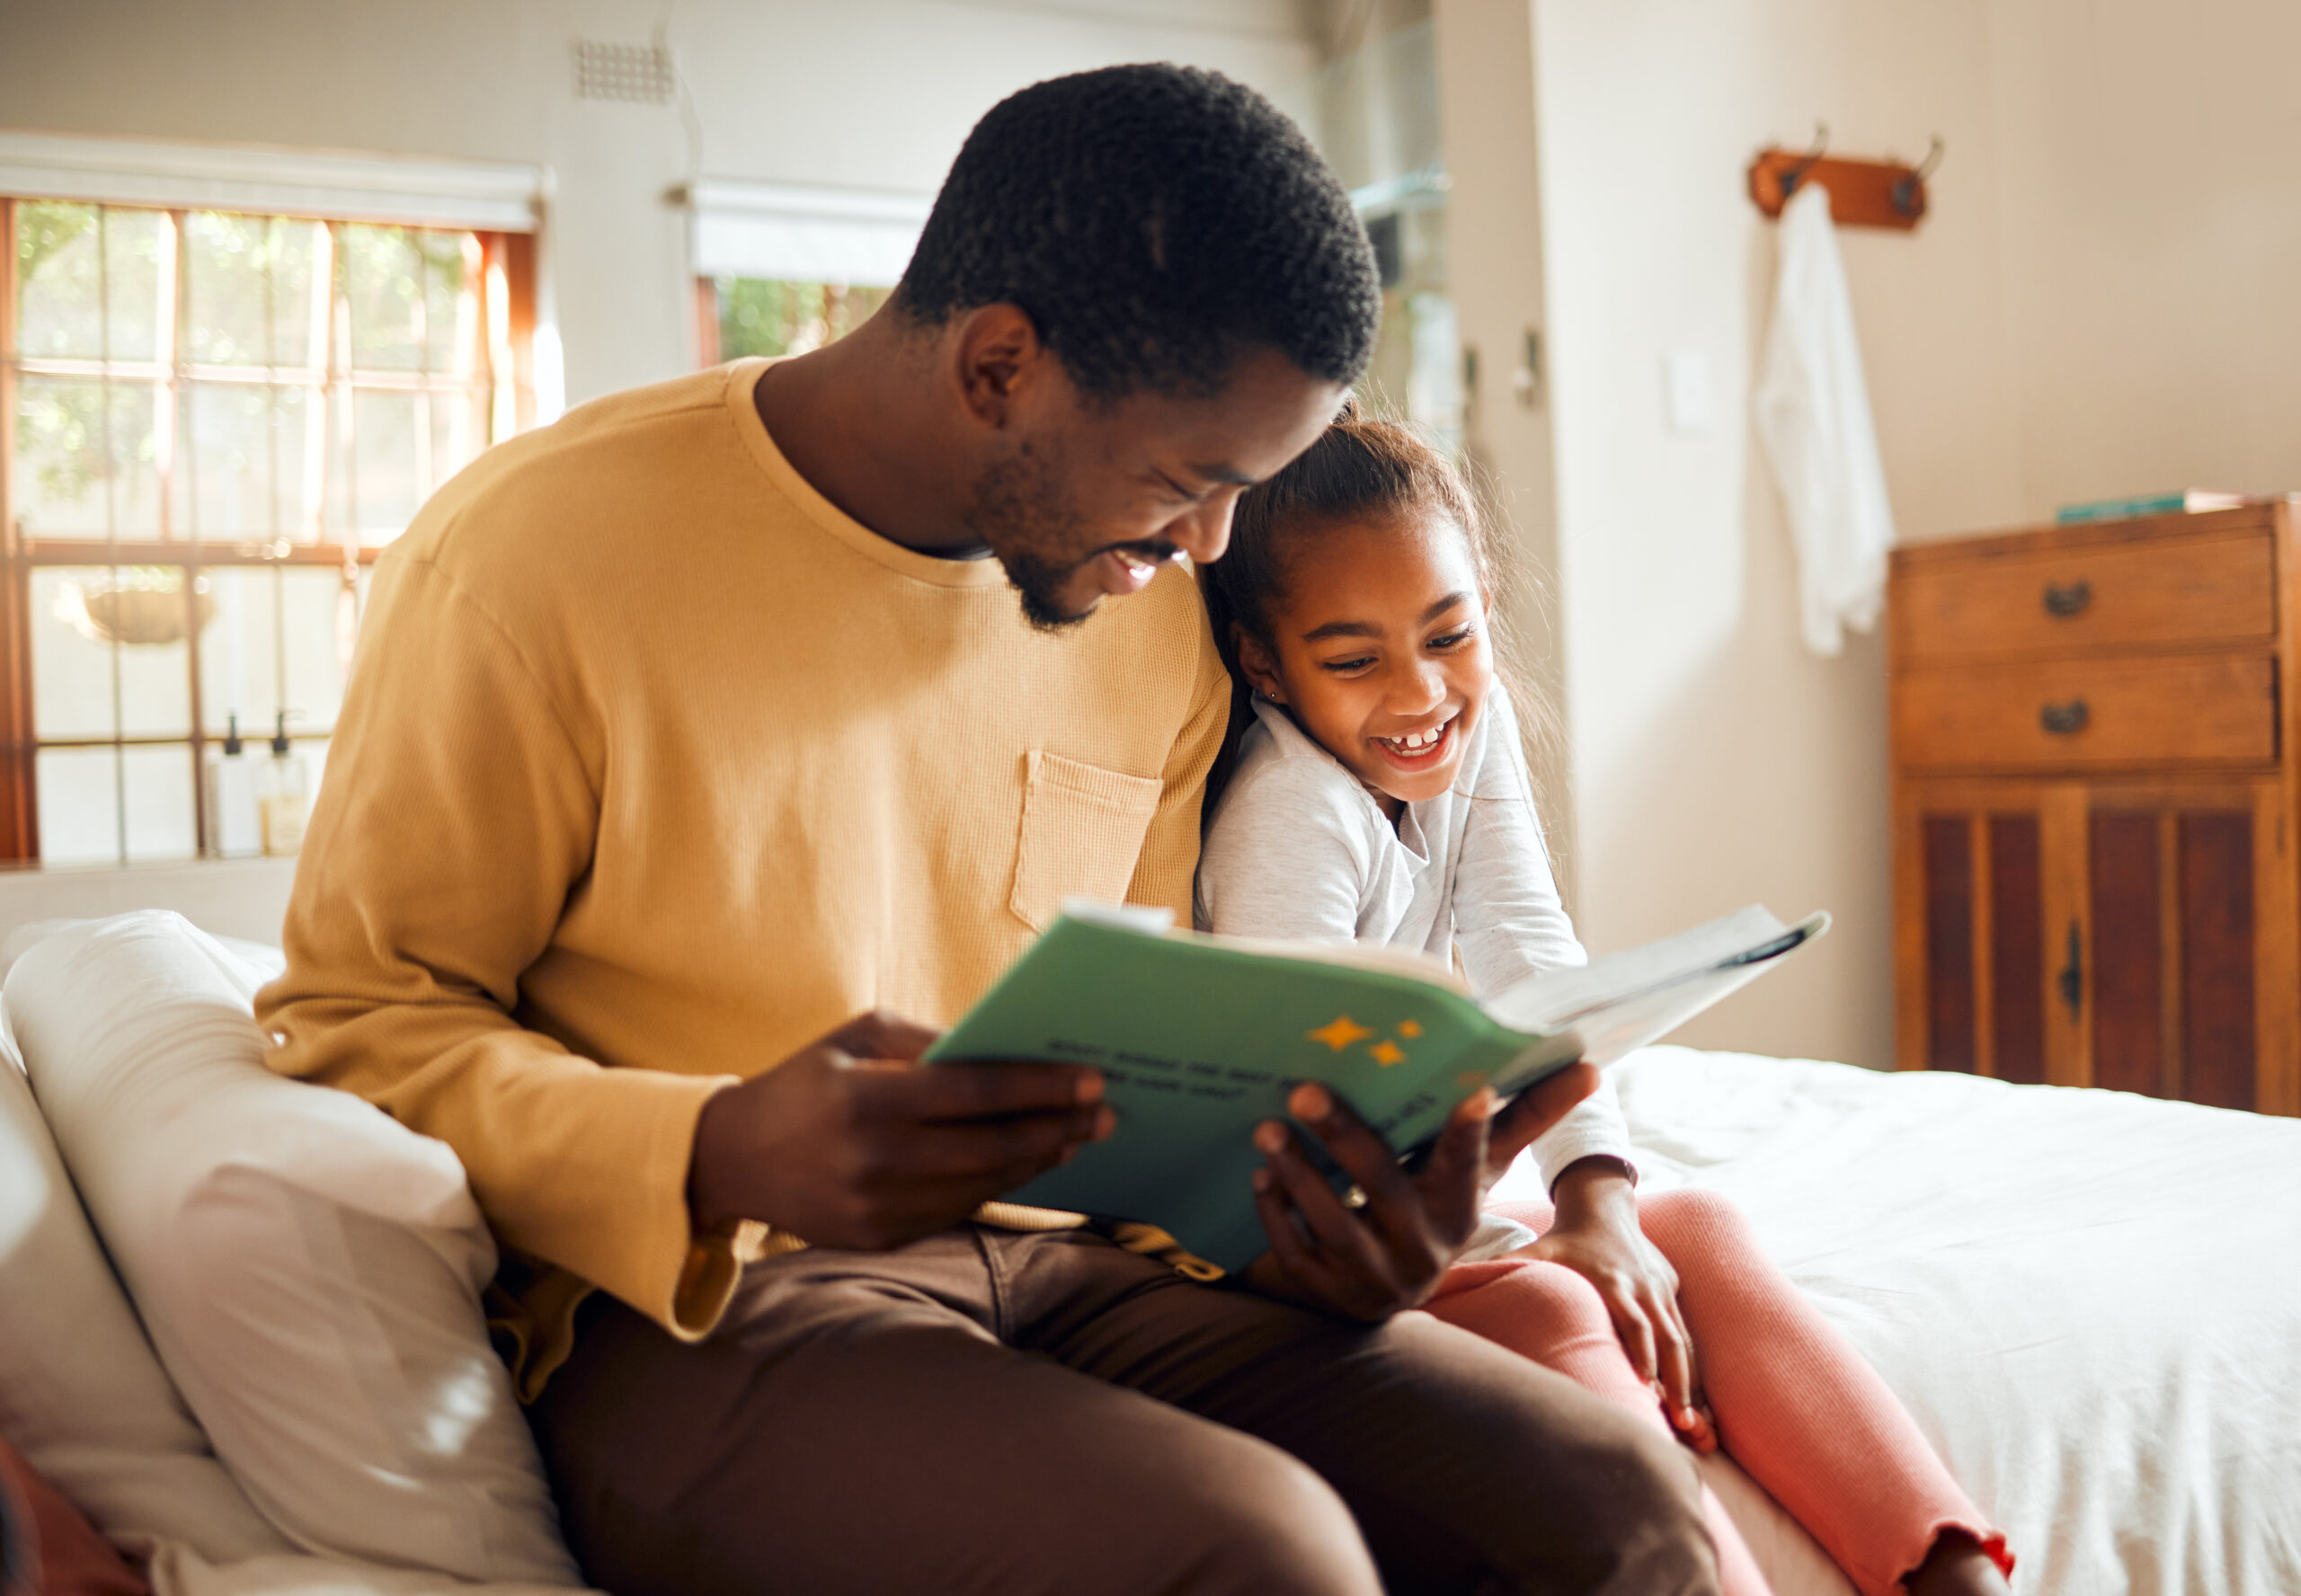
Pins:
x,y
1387,1053
1340,1033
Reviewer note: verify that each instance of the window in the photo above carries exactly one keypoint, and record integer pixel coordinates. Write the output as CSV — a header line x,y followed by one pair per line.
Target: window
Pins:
x,y
212,420
783,268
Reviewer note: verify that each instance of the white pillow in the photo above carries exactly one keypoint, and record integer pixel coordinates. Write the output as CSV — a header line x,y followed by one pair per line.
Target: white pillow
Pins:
x,y
81,1395
309,1269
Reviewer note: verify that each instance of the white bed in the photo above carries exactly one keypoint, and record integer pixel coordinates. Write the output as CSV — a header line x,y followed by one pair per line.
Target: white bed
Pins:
x,y
2091,1301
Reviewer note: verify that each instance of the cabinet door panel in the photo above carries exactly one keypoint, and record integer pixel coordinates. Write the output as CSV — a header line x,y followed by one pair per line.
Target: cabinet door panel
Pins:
x,y
2127,952
2016,949
1949,943
2217,877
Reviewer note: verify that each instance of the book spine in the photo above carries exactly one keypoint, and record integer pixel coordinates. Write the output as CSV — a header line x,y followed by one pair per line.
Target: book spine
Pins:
x,y
2122,510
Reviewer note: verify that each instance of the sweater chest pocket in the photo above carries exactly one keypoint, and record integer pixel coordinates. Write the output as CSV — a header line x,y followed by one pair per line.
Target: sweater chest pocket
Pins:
x,y
1082,833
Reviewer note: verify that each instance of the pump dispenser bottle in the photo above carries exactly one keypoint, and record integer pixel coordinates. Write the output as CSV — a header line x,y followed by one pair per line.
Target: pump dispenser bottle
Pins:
x,y
233,830
283,801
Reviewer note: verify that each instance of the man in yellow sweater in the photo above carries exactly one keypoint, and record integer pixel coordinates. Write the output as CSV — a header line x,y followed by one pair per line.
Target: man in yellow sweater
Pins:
x,y
698,761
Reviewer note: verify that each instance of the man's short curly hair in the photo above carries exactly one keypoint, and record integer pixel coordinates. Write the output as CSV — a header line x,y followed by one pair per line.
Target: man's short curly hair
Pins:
x,y
1154,221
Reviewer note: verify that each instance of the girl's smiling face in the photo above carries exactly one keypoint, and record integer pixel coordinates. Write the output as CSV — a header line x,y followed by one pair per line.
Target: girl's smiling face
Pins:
x,y
1378,649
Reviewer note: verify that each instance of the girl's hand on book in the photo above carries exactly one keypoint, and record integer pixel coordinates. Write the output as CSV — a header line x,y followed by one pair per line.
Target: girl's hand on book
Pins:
x,y
853,1143
1384,1252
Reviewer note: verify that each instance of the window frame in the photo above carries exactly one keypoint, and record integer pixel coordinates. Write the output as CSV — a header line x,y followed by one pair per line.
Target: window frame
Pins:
x,y
508,254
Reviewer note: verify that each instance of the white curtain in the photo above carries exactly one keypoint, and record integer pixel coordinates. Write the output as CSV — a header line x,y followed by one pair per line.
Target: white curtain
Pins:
x,y
798,234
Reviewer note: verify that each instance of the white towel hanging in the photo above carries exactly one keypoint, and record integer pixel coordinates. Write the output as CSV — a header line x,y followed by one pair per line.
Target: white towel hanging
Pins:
x,y
1813,412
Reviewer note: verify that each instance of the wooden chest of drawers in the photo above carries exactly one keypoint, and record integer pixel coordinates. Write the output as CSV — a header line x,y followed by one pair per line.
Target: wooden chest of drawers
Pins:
x,y
2096,874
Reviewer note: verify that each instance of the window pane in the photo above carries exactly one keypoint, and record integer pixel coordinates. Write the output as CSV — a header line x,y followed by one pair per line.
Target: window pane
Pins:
x,y
155,676
160,816
385,464
138,301
239,459
239,652
458,432
228,288
338,479
58,478
62,444
383,280
60,297
314,753
138,410
77,615
317,622
71,665
79,806
305,465
299,321
450,301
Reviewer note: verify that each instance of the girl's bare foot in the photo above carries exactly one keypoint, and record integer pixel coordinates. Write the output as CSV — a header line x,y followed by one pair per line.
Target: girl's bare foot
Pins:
x,y
1957,1567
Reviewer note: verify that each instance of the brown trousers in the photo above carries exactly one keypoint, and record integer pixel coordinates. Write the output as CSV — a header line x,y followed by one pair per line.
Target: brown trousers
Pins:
x,y
1012,1413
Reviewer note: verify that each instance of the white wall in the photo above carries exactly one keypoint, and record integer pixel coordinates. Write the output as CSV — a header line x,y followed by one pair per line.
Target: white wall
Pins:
x,y
2102,301
2149,218
1715,763
871,94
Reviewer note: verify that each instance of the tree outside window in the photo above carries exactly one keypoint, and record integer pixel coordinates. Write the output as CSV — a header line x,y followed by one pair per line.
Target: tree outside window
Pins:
x,y
738,316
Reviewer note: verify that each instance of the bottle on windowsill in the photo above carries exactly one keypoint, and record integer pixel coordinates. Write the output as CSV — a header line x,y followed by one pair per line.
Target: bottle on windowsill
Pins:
x,y
234,830
283,800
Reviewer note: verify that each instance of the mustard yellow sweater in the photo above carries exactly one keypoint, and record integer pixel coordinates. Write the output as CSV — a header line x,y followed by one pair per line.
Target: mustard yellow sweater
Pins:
x,y
653,767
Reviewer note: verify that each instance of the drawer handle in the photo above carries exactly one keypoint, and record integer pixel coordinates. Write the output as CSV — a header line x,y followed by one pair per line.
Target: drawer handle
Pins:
x,y
2066,601
2065,720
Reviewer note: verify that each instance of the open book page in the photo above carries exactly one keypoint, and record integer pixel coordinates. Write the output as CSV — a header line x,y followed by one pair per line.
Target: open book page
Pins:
x,y
1347,955
1627,999
1410,962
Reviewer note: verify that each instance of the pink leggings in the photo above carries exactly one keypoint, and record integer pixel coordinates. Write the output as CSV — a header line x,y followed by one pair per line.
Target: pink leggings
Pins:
x,y
1793,1404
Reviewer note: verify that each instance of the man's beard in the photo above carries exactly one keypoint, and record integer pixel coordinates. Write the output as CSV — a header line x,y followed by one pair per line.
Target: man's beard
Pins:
x,y
1021,511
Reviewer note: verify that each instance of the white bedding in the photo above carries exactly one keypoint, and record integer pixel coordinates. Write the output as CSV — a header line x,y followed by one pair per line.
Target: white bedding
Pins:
x,y
2090,1300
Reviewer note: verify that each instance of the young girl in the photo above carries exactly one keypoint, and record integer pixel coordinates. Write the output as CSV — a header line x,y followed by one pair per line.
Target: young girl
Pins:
x,y
1379,792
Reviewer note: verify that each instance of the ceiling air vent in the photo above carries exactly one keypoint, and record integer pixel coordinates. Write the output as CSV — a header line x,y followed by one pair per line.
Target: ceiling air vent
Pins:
x,y
637,73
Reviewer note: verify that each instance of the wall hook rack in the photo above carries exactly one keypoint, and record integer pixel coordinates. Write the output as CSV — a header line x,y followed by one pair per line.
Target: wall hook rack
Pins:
x,y
1863,193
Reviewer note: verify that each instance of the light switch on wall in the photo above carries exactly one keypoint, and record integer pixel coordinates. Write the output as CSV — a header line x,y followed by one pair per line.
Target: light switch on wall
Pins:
x,y
1685,390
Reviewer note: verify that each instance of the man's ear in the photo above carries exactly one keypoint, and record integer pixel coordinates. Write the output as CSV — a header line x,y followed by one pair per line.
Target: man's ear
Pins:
x,y
1000,361
1254,659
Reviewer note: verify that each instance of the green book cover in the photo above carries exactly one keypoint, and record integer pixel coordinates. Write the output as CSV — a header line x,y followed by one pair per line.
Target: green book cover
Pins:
x,y
1200,1038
